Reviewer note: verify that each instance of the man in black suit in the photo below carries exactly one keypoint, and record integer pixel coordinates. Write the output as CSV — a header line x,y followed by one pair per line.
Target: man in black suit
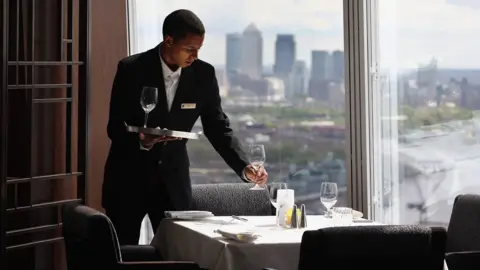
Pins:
x,y
147,174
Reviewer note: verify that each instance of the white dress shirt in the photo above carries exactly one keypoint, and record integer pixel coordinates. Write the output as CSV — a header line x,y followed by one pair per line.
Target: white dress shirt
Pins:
x,y
171,79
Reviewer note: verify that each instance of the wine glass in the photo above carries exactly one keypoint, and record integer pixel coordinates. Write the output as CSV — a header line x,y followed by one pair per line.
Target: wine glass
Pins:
x,y
148,101
273,189
257,159
328,195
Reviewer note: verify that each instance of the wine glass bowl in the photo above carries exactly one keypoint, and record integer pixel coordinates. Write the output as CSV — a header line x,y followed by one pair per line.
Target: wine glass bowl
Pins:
x,y
273,189
257,160
328,195
148,100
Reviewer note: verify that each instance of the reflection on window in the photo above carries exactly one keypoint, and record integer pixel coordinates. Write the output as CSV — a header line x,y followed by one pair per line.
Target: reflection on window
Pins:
x,y
429,103
281,77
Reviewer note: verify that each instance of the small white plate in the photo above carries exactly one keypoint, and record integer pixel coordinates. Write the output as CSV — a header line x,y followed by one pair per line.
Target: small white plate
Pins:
x,y
188,215
190,218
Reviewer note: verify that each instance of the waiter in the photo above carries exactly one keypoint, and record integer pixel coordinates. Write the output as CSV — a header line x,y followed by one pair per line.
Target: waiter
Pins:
x,y
147,174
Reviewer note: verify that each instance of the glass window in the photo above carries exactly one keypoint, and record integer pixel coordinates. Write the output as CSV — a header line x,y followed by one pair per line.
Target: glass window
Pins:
x,y
280,69
428,103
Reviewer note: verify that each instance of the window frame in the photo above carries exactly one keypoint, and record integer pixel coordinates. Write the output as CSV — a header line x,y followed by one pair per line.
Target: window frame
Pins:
x,y
361,115
360,73
131,31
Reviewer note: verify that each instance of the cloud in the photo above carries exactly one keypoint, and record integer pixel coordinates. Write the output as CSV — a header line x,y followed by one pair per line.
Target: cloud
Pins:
x,y
428,15
465,3
267,14
411,31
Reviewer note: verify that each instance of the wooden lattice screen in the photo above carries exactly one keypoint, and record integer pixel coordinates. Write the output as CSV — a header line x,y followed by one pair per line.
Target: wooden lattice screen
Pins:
x,y
43,125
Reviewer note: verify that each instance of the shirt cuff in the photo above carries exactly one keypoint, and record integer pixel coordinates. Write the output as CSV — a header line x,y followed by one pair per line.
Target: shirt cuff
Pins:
x,y
144,148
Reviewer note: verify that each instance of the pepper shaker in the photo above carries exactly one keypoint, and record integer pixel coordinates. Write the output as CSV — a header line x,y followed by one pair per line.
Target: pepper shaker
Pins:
x,y
303,217
294,219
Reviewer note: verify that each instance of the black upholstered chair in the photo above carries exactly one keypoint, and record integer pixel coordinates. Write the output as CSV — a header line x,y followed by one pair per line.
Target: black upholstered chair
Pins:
x,y
463,236
91,243
231,199
373,247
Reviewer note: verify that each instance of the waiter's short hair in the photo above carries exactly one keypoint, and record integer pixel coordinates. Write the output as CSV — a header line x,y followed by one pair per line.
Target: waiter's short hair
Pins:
x,y
182,22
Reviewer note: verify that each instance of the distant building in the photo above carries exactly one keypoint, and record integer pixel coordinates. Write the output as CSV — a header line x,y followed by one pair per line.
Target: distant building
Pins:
x,y
338,66
327,75
252,52
320,66
276,89
234,52
284,55
222,80
298,80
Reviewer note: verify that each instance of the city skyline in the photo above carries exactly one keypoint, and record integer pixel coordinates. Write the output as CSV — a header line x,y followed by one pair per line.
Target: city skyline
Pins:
x,y
408,36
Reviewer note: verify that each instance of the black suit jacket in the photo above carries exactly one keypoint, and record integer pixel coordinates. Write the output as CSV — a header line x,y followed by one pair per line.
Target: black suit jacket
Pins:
x,y
128,167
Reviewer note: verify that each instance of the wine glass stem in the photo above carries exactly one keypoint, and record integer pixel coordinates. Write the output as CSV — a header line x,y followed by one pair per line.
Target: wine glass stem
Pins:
x,y
146,119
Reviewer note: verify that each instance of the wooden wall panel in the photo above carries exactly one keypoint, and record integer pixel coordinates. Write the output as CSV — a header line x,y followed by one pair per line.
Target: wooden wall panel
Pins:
x,y
109,45
47,148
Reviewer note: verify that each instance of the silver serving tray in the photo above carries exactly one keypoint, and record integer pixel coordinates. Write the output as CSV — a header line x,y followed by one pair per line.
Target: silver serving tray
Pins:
x,y
164,132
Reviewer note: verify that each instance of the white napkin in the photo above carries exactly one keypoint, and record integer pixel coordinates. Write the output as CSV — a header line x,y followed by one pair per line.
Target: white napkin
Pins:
x,y
357,214
240,234
188,214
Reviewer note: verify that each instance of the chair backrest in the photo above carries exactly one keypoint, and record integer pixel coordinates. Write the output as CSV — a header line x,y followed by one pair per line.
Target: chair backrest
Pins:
x,y
231,199
374,247
90,238
464,227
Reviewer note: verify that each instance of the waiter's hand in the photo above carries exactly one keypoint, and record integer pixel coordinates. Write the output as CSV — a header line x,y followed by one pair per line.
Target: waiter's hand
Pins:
x,y
149,141
259,176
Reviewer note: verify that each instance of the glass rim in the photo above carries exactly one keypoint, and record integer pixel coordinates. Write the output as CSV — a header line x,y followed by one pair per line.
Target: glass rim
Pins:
x,y
329,183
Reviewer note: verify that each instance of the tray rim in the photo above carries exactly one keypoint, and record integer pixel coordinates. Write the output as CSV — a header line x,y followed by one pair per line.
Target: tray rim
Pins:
x,y
164,132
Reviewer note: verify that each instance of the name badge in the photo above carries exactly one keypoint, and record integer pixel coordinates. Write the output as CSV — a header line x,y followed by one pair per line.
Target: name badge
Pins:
x,y
189,106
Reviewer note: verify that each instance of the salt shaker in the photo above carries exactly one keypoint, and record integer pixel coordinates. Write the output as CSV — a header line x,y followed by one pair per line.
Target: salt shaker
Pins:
x,y
294,219
303,217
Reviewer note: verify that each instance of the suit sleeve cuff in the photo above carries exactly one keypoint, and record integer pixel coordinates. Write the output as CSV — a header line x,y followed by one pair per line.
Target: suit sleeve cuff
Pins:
x,y
244,176
143,147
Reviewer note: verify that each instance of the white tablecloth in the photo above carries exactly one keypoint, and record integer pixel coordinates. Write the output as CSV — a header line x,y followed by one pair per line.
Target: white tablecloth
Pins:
x,y
196,241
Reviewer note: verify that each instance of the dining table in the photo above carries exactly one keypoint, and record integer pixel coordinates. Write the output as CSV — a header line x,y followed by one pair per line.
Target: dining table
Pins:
x,y
199,241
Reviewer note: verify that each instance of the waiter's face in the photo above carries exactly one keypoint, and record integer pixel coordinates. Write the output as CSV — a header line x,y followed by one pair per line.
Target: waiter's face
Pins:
x,y
184,51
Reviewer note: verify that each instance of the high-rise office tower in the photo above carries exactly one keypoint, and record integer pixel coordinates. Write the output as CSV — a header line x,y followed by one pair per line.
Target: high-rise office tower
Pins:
x,y
338,66
320,66
284,55
298,79
252,52
234,52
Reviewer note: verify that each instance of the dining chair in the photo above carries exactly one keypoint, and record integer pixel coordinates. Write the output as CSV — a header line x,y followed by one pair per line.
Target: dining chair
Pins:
x,y
373,247
91,243
231,199
463,235
392,247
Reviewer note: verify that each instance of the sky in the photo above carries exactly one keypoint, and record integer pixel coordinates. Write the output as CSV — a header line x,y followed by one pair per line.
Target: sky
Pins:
x,y
411,32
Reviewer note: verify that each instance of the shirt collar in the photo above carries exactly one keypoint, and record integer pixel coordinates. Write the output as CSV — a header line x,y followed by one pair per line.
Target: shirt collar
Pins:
x,y
167,72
